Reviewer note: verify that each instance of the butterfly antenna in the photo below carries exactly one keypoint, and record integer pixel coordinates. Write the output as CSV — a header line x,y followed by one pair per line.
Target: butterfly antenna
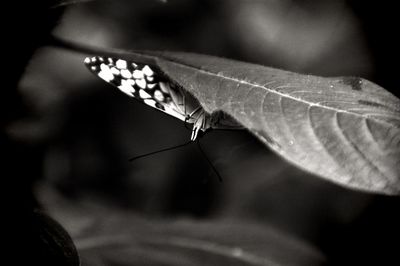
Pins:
x,y
208,160
159,151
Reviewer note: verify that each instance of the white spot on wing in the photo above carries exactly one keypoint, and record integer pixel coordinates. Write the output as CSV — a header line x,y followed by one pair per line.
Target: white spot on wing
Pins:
x,y
87,60
126,87
150,102
129,81
159,96
104,67
115,71
147,71
94,59
93,68
105,73
137,74
126,73
144,94
121,64
141,83
151,85
150,78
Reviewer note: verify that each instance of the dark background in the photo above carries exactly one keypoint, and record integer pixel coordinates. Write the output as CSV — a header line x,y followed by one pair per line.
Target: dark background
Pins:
x,y
66,131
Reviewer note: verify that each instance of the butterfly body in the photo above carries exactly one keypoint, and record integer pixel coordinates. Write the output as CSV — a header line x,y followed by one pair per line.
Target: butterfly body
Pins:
x,y
148,86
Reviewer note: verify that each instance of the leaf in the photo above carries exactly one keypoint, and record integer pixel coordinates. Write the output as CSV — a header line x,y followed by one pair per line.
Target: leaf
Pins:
x,y
57,244
195,243
107,235
344,129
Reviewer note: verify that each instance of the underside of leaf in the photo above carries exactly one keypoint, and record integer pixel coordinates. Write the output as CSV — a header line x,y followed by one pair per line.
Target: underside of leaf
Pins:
x,y
344,129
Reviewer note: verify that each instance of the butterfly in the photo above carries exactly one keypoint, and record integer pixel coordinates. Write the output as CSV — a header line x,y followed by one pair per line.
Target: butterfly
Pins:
x,y
149,86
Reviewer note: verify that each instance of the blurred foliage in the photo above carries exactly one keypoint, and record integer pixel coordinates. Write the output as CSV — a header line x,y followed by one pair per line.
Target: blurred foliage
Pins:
x,y
84,131
106,235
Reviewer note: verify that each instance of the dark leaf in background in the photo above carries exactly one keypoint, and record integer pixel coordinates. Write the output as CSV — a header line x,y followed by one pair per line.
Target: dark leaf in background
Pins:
x,y
196,243
105,235
32,235
57,244
345,129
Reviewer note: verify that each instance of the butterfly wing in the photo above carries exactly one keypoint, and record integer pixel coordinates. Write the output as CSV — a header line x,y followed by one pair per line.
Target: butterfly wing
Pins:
x,y
142,83
151,88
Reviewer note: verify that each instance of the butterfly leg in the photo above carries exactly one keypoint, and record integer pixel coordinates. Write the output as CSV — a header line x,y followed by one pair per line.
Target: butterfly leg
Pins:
x,y
195,131
198,125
